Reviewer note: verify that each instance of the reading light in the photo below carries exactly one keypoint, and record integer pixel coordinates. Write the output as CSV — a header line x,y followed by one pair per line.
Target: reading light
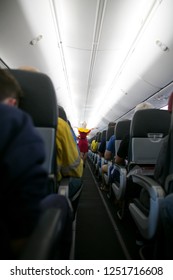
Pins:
x,y
162,46
35,40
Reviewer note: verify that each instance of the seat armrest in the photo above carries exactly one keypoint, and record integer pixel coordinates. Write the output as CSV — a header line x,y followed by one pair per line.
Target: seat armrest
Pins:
x,y
147,224
153,188
107,175
120,187
47,234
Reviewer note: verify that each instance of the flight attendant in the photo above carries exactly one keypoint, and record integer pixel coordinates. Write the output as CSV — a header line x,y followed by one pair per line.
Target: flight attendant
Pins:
x,y
83,141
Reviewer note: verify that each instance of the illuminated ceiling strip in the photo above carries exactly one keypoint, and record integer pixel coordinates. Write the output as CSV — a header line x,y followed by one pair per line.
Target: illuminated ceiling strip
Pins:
x,y
153,8
60,45
147,19
98,27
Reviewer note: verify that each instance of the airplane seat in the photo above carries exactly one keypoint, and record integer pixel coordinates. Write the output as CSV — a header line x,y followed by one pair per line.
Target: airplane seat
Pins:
x,y
96,148
40,102
101,158
52,236
109,133
97,157
45,242
121,130
62,113
90,153
99,138
93,152
93,149
148,130
118,186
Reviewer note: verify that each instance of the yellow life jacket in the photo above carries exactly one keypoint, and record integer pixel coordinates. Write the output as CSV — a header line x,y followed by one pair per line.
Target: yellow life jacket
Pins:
x,y
94,146
69,161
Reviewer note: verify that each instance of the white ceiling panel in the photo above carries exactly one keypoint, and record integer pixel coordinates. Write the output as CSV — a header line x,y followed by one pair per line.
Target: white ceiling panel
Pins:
x,y
101,55
149,60
122,22
76,20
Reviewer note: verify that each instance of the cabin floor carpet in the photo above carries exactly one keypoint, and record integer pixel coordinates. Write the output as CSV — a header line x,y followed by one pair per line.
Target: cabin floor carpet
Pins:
x,y
95,237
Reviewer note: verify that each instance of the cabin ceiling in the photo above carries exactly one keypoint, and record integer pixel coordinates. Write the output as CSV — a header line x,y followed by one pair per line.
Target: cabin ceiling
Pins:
x,y
103,56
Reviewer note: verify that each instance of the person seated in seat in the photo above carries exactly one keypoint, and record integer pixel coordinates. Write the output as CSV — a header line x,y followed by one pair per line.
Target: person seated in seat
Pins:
x,y
108,155
101,150
94,146
69,161
23,195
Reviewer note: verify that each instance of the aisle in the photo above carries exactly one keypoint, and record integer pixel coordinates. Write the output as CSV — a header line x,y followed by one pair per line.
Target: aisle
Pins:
x,y
96,237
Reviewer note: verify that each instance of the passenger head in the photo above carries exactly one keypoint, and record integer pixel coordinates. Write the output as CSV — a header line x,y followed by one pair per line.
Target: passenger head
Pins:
x,y
144,105
111,124
170,102
10,90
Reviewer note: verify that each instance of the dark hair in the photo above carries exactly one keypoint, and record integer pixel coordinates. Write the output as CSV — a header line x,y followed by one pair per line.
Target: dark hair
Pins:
x,y
9,87
111,124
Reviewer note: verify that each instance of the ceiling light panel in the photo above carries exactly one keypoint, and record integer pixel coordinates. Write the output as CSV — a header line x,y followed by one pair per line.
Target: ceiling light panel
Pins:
x,y
147,56
114,46
94,50
75,28
122,21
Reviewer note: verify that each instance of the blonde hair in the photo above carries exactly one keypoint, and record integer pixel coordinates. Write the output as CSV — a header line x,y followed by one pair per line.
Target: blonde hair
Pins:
x,y
144,105
84,124
28,68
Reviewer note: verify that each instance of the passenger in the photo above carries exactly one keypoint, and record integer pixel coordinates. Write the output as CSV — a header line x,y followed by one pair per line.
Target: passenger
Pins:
x,y
83,142
23,194
109,154
94,146
102,148
101,151
69,161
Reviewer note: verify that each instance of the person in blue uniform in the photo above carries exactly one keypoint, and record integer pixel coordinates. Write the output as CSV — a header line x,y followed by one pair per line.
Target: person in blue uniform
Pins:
x,y
23,179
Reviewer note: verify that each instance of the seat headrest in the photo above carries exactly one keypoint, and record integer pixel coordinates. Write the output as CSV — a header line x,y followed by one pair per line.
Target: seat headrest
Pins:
x,y
39,99
98,138
109,132
150,121
122,129
103,134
